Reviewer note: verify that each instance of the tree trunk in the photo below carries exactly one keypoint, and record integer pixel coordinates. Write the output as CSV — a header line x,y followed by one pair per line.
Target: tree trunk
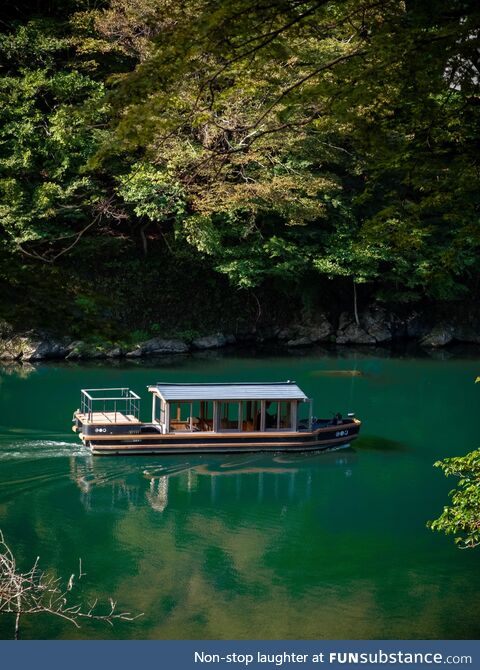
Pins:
x,y
144,238
355,306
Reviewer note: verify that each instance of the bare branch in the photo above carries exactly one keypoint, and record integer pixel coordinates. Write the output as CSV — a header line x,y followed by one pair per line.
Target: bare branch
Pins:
x,y
37,592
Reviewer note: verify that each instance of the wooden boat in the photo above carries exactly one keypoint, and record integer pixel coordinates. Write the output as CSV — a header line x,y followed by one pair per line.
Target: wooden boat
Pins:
x,y
208,418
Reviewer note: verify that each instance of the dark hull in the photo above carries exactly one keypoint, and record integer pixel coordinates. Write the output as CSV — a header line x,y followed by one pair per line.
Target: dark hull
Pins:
x,y
145,439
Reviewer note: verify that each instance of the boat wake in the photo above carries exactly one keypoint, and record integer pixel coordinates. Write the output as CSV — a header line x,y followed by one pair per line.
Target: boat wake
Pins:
x,y
34,449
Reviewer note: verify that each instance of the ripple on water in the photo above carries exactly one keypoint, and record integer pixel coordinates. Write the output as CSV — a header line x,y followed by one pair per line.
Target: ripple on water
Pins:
x,y
12,450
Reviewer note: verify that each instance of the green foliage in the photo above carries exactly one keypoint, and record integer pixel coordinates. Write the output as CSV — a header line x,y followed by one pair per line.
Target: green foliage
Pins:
x,y
462,517
152,193
290,143
334,136
50,113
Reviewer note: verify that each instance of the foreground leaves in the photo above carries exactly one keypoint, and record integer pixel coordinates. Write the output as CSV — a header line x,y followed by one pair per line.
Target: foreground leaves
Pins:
x,y
462,517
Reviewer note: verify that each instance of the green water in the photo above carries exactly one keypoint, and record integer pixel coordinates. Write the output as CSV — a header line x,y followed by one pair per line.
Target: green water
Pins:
x,y
329,545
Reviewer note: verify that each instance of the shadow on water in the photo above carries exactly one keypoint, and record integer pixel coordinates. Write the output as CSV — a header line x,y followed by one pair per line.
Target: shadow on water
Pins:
x,y
378,443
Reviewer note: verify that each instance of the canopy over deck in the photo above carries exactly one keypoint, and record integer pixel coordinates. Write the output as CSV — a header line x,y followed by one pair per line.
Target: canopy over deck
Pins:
x,y
229,391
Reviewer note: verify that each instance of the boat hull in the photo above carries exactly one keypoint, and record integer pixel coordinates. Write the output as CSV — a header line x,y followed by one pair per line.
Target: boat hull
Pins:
x,y
146,439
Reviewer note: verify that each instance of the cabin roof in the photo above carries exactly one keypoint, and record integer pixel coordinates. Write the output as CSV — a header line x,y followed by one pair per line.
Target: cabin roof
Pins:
x,y
230,391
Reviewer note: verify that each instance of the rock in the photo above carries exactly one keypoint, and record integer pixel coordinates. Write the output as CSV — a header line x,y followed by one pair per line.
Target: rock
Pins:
x,y
304,336
158,346
287,333
32,347
116,352
345,319
467,333
376,325
266,333
230,338
416,326
43,349
318,332
210,341
377,322
439,336
11,349
75,350
355,334
80,350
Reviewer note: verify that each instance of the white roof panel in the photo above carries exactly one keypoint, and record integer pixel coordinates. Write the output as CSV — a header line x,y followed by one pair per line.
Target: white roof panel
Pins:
x,y
230,391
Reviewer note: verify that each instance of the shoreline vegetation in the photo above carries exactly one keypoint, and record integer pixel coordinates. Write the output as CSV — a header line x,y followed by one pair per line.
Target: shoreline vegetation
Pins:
x,y
376,328
172,172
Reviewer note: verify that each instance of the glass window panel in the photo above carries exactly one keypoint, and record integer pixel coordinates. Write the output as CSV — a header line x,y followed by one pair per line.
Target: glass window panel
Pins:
x,y
206,415
180,413
271,413
228,412
285,415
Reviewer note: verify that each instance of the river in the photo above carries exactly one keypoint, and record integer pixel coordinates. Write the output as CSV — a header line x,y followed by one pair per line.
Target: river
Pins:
x,y
326,545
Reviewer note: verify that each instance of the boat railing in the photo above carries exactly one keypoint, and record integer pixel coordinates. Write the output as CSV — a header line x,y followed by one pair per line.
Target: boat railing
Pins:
x,y
118,401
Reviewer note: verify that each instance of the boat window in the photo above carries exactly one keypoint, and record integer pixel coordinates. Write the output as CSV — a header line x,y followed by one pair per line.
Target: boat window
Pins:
x,y
205,415
284,415
180,413
249,410
229,415
278,415
271,415
304,412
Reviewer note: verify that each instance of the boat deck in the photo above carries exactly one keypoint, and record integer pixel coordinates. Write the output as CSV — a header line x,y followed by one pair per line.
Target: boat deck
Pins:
x,y
107,417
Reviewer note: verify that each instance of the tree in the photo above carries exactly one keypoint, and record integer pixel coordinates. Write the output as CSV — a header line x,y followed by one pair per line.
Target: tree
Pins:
x,y
269,113
37,592
51,122
462,517
321,142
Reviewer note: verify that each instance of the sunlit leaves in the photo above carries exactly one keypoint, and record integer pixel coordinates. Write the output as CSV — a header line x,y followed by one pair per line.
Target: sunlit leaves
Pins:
x,y
279,139
336,119
50,125
462,517
152,193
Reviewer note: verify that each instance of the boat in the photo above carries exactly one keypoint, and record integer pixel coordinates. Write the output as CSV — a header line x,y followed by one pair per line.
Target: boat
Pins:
x,y
208,418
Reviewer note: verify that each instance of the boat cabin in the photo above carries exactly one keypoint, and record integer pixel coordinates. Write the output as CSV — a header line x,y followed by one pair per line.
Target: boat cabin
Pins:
x,y
228,408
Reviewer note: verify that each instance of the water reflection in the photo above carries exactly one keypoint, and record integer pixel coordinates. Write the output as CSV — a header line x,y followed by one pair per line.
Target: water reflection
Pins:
x,y
250,479
16,368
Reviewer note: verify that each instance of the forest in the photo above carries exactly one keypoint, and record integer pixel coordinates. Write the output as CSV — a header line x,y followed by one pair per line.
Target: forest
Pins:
x,y
178,168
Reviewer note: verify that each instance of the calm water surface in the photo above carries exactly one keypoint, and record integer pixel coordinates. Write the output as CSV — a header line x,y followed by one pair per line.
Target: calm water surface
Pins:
x,y
330,545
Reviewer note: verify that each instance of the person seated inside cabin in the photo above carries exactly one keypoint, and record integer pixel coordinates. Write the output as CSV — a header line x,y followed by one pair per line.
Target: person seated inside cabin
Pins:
x,y
270,419
338,419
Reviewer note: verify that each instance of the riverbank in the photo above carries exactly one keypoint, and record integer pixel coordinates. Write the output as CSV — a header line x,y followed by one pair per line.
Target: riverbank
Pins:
x,y
376,327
